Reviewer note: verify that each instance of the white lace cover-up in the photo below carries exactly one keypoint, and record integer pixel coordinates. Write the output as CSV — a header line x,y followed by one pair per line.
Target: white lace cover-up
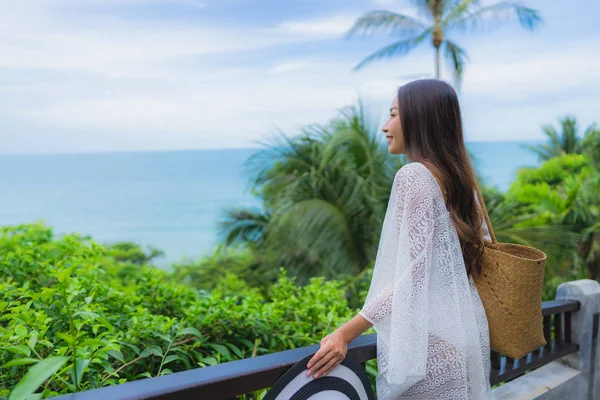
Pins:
x,y
432,331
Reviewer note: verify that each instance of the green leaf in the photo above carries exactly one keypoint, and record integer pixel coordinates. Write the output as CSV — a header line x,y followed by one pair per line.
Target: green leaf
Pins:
x,y
35,376
92,342
21,331
66,337
20,349
235,349
131,346
20,361
80,364
171,357
63,274
32,341
157,351
163,336
88,315
221,349
117,354
208,361
248,343
191,331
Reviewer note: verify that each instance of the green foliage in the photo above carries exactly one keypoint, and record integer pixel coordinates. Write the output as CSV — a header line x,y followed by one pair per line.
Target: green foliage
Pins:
x,y
591,145
567,141
68,322
133,253
223,268
553,172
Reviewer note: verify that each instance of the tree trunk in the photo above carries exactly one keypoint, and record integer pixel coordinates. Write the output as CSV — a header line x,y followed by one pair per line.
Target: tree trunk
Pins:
x,y
437,39
437,62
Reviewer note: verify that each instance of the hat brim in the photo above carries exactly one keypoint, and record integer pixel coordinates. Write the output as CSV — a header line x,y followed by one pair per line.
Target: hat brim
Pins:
x,y
347,381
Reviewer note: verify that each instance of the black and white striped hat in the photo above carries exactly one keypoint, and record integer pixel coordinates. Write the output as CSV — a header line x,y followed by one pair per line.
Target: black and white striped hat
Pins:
x,y
347,381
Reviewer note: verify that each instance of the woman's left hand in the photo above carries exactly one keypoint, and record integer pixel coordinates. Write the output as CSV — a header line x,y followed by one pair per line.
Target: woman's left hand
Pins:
x,y
332,352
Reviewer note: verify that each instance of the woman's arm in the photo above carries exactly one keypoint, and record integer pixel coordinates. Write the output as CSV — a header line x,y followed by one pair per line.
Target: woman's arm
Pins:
x,y
335,346
354,328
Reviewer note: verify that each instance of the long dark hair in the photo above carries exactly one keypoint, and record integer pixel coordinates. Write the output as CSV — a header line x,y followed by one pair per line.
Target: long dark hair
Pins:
x,y
432,128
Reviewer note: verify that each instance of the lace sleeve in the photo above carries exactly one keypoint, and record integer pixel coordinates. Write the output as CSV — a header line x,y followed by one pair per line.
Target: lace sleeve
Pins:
x,y
375,310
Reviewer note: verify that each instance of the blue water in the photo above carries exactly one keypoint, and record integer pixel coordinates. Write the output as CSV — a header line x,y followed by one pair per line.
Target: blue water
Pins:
x,y
171,200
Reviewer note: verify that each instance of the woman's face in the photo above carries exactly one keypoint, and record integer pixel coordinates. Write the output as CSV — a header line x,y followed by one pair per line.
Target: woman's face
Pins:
x,y
393,130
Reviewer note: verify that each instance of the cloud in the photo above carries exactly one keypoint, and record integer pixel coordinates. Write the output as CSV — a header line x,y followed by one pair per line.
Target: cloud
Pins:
x,y
337,25
532,74
134,52
289,66
113,83
385,3
333,26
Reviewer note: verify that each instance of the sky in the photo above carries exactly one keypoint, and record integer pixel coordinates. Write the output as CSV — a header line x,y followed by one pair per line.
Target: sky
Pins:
x,y
135,75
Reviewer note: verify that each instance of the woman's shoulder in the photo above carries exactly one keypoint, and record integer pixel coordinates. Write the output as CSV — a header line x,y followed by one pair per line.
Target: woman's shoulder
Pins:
x,y
414,171
416,181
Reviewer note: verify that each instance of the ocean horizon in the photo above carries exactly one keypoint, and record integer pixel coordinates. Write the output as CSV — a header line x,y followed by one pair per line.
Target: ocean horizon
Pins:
x,y
171,200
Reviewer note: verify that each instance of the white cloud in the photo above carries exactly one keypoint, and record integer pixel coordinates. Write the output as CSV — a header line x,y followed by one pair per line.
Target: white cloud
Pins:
x,y
134,52
289,66
118,48
385,3
332,26
132,84
531,74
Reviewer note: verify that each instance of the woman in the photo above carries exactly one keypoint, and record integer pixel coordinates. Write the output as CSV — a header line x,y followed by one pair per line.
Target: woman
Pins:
x,y
432,331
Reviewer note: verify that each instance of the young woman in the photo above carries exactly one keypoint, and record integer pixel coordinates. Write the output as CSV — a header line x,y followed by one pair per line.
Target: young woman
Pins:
x,y
432,331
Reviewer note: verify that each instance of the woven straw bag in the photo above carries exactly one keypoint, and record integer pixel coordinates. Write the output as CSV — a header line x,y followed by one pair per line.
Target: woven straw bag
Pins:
x,y
510,288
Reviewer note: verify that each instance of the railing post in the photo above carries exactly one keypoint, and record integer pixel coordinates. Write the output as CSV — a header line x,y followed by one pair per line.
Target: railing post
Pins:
x,y
587,360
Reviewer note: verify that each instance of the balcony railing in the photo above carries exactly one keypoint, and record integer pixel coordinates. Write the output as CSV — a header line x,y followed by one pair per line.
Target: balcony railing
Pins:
x,y
228,380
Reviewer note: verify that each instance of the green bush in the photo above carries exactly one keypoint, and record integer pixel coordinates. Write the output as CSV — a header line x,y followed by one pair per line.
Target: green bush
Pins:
x,y
69,322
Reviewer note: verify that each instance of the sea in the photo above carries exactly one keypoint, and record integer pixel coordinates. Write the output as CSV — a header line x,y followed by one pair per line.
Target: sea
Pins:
x,y
170,200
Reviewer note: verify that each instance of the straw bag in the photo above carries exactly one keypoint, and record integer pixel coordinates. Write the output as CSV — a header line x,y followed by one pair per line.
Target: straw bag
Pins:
x,y
510,287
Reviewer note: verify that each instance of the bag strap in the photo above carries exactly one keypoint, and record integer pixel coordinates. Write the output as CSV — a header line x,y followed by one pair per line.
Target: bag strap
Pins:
x,y
485,214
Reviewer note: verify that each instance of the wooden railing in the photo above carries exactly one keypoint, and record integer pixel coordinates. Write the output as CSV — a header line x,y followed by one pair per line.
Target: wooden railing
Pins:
x,y
228,380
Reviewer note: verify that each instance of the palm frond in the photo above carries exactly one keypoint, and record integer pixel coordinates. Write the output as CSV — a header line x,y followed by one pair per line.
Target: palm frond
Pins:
x,y
552,134
242,226
435,9
476,17
544,151
458,57
320,227
565,142
569,140
398,48
457,12
590,129
558,241
392,23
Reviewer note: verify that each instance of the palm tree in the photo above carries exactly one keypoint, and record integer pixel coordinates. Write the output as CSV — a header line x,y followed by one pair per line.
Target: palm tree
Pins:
x,y
324,192
565,142
441,16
